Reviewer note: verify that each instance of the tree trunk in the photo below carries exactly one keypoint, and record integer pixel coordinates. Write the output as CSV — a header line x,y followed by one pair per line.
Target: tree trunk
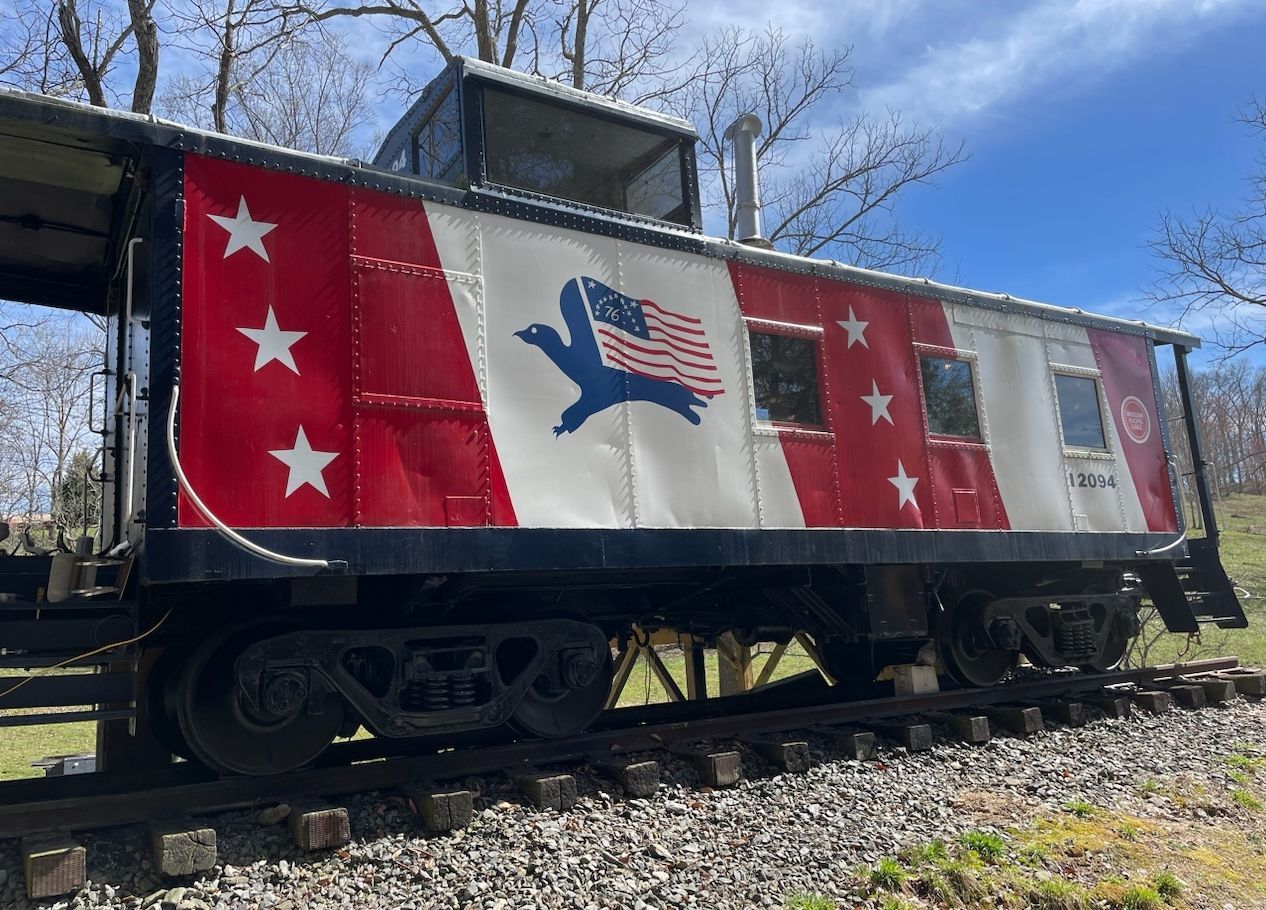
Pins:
x,y
145,34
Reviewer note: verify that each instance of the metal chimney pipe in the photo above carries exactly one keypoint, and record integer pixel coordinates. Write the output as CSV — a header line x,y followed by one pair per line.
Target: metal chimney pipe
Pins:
x,y
743,132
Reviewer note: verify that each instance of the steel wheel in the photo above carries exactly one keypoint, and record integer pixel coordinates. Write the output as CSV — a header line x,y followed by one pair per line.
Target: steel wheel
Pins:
x,y
1110,657
224,734
964,646
550,710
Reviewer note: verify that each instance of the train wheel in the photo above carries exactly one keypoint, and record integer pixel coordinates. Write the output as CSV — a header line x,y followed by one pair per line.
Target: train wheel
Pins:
x,y
1110,657
226,735
162,694
964,646
554,708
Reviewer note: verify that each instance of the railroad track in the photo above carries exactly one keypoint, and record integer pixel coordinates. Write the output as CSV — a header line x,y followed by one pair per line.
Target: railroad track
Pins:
x,y
104,799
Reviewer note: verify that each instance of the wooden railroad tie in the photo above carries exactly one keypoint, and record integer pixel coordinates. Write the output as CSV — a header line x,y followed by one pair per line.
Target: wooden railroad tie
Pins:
x,y
319,826
1189,695
1115,705
440,809
182,847
716,768
1020,720
915,736
1216,691
1068,713
856,744
1247,682
548,789
787,755
1152,701
638,776
968,728
53,866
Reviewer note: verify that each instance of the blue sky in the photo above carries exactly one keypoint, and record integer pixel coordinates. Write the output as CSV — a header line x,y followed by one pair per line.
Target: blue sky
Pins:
x,y
1085,120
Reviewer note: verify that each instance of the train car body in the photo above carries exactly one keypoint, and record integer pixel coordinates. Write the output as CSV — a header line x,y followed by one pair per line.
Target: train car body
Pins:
x,y
409,444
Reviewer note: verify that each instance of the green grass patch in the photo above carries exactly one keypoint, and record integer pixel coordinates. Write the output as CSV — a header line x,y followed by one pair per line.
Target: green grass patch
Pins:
x,y
1056,894
1080,808
19,746
1245,764
1167,885
888,874
1245,800
1140,897
1128,830
989,846
803,900
934,851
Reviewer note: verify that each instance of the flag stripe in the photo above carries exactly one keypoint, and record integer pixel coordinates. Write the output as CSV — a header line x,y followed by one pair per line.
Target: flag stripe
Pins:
x,y
700,348
657,352
625,355
651,375
669,327
690,320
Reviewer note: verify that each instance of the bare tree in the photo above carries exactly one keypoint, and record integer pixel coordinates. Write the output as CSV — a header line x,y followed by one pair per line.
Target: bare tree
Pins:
x,y
827,189
72,48
301,91
1216,262
614,47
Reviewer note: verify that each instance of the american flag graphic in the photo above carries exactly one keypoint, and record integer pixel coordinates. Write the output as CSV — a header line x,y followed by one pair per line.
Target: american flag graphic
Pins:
x,y
642,337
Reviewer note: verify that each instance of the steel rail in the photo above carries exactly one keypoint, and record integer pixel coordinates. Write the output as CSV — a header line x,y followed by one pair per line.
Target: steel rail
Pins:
x,y
115,798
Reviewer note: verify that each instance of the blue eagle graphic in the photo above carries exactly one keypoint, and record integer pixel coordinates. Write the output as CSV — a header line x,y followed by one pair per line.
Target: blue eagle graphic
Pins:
x,y
613,356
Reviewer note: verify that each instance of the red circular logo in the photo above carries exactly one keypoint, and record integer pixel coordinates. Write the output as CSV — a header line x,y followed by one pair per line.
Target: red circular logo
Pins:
x,y
1136,419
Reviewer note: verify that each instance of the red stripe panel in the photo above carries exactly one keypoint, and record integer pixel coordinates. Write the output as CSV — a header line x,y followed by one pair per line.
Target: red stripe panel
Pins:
x,y
231,415
1127,380
870,451
964,487
787,298
423,465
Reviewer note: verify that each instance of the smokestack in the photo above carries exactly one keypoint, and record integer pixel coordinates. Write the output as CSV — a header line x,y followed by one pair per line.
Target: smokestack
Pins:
x,y
743,132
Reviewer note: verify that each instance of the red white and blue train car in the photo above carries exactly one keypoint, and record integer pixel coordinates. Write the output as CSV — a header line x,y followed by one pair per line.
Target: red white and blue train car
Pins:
x,y
409,444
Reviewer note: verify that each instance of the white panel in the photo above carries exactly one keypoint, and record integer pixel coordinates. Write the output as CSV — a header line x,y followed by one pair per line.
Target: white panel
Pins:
x,y
693,475
1015,385
578,479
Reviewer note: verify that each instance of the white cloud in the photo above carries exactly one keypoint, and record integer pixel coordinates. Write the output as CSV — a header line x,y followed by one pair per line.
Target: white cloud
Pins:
x,y
1014,51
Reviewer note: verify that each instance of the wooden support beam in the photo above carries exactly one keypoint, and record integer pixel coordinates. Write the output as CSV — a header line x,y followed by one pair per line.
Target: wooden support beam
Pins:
x,y
639,778
771,664
811,649
1153,702
969,728
625,661
696,667
856,744
661,673
1114,704
1069,713
914,735
734,665
1021,721
791,756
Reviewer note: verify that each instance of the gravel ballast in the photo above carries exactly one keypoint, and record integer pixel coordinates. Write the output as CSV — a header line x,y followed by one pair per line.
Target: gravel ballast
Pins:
x,y
747,846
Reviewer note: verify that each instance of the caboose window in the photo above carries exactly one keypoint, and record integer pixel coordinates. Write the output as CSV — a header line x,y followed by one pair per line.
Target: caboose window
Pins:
x,y
1079,414
437,145
785,379
949,397
565,153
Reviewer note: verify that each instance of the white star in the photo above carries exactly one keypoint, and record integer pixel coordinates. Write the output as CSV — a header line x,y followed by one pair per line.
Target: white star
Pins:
x,y
244,233
305,465
855,327
878,404
274,344
905,486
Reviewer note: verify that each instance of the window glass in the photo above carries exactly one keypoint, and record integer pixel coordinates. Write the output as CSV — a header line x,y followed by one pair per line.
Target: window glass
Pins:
x,y
785,375
439,141
560,152
949,396
1079,411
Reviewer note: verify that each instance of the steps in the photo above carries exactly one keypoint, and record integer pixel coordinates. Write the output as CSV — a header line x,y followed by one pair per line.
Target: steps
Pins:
x,y
1193,592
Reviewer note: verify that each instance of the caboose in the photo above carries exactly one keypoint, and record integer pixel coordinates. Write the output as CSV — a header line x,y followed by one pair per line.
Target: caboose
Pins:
x,y
410,444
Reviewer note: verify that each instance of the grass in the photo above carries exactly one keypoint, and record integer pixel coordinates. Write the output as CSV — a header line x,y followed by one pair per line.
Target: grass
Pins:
x,y
1242,521
1140,897
1245,799
1056,894
803,900
1080,808
19,746
888,874
1167,885
988,846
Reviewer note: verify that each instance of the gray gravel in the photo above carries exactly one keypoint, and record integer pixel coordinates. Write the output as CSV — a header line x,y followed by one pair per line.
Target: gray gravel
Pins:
x,y
686,847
